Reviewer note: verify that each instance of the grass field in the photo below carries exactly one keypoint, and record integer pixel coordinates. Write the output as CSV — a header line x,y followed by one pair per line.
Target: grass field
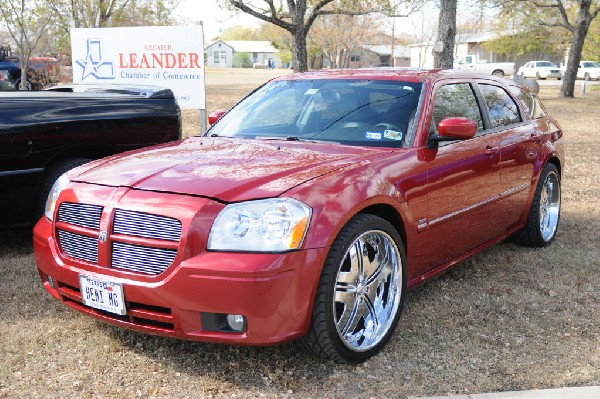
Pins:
x,y
508,318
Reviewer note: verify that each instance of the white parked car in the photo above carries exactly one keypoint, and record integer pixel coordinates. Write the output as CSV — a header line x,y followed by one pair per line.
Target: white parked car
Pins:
x,y
589,70
540,70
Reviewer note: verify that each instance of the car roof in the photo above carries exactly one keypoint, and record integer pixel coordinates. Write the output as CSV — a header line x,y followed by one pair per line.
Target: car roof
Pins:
x,y
401,74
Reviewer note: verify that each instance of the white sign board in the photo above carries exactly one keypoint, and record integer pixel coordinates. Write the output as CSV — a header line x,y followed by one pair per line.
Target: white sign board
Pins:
x,y
166,56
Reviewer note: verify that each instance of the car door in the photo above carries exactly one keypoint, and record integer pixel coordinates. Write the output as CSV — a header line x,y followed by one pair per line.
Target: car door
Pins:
x,y
463,179
518,143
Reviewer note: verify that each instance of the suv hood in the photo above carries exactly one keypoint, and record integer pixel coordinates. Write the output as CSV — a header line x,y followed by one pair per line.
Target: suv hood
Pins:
x,y
225,169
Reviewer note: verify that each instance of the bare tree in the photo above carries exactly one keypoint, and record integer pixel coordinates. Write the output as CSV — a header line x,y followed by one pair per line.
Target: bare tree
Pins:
x,y
298,16
339,35
574,16
443,48
26,22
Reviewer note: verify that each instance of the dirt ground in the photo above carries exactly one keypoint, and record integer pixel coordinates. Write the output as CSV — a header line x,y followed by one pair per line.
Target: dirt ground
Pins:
x,y
509,318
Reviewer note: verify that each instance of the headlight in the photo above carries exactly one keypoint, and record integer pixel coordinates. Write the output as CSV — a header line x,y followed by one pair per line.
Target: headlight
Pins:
x,y
272,225
58,186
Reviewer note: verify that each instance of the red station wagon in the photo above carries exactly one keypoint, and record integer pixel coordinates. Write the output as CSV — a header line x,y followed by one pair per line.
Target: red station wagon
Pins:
x,y
307,210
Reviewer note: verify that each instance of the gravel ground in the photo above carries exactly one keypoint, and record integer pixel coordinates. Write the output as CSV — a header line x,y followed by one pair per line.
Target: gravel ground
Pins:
x,y
509,318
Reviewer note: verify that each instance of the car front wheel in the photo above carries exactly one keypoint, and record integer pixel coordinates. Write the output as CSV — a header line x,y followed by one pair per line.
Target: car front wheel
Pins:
x,y
544,214
360,293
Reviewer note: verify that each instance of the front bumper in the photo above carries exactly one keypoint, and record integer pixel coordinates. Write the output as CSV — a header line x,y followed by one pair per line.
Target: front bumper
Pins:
x,y
275,292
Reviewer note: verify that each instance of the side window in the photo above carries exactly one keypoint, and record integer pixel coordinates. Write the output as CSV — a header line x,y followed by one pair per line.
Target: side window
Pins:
x,y
538,110
456,100
502,108
525,97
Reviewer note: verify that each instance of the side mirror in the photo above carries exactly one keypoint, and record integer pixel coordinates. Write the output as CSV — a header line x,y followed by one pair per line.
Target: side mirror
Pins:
x,y
454,128
215,116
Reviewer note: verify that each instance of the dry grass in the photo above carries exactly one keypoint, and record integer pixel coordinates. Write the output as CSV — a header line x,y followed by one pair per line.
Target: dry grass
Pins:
x,y
509,318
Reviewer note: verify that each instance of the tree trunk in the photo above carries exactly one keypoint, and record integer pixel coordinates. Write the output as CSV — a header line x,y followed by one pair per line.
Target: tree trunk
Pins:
x,y
299,55
24,68
443,49
582,25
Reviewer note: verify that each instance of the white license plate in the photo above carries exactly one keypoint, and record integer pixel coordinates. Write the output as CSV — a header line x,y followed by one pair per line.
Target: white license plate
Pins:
x,y
102,294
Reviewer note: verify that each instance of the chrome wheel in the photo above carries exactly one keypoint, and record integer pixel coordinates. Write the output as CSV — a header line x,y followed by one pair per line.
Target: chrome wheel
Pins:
x,y
367,290
549,206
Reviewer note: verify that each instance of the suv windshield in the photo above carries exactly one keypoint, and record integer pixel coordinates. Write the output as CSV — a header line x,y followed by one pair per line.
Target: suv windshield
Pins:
x,y
353,112
545,64
590,64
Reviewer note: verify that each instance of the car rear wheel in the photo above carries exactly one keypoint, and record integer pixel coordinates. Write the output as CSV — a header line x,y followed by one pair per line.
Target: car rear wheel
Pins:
x,y
360,293
50,176
544,214
587,76
498,73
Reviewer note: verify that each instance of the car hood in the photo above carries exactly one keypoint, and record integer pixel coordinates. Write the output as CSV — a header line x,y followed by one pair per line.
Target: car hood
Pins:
x,y
225,169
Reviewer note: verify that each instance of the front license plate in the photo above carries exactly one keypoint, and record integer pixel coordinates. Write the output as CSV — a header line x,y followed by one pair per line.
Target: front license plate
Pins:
x,y
102,294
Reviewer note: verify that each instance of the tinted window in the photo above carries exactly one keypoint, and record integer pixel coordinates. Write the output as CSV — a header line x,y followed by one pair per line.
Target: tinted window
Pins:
x,y
502,108
525,97
531,102
354,112
545,64
456,100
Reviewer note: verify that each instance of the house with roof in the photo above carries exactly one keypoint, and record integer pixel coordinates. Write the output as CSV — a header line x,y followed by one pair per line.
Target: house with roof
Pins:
x,y
421,54
250,53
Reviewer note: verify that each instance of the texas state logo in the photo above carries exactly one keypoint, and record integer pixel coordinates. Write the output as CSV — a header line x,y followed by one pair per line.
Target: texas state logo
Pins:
x,y
94,64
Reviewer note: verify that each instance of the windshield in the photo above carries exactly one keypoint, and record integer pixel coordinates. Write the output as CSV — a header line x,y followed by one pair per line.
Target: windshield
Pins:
x,y
590,64
545,64
353,112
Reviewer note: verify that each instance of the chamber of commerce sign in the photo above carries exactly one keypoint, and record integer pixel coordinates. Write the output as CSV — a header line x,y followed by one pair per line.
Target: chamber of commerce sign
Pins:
x,y
167,56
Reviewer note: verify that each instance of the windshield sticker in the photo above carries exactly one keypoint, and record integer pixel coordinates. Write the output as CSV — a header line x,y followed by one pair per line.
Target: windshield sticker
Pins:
x,y
310,92
392,134
373,136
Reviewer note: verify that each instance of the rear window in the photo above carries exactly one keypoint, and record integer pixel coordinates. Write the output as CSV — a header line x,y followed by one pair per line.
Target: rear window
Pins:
x,y
502,108
530,101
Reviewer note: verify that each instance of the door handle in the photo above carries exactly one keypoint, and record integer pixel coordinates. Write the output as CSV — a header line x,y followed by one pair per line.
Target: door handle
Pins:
x,y
491,150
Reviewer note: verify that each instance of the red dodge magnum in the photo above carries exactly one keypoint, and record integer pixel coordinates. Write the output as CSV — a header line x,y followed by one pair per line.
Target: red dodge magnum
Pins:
x,y
307,210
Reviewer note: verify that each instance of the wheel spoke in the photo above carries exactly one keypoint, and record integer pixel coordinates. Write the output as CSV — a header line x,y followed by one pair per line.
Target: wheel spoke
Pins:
x,y
349,319
367,296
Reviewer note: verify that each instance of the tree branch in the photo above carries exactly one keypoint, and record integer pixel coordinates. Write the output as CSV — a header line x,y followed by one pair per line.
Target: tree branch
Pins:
x,y
239,4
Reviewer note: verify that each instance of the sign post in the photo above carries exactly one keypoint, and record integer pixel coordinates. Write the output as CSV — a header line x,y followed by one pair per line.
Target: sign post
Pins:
x,y
166,56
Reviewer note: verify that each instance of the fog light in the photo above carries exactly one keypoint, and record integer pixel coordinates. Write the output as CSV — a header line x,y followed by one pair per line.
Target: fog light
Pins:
x,y
236,322
50,281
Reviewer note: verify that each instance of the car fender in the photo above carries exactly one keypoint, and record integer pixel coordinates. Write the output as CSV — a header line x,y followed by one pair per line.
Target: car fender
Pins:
x,y
343,195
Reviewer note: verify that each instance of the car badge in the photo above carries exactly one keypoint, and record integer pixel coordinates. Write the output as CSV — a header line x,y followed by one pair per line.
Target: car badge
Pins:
x,y
102,236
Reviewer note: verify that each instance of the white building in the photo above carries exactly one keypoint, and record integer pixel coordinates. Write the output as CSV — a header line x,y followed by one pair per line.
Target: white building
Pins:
x,y
421,54
252,53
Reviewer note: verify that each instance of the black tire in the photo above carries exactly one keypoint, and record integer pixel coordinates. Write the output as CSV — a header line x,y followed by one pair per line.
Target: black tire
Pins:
x,y
533,234
537,76
381,242
28,85
498,73
587,76
50,176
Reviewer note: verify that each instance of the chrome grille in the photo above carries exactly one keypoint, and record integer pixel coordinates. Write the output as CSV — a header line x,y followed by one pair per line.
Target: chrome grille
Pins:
x,y
83,215
79,246
141,259
145,225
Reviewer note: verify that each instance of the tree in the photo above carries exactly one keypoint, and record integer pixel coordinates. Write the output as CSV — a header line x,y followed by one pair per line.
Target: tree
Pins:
x,y
574,16
108,13
443,49
297,17
337,36
26,22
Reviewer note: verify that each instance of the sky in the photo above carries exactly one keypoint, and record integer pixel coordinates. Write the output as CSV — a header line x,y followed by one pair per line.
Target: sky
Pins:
x,y
214,19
